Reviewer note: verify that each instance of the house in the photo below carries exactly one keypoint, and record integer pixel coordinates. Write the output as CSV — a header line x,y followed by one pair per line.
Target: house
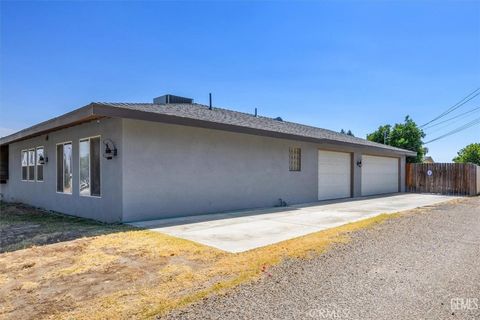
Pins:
x,y
428,159
122,162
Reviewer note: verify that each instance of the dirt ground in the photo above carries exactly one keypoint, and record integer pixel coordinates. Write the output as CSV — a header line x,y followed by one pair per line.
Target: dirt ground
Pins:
x,y
58,267
55,266
23,226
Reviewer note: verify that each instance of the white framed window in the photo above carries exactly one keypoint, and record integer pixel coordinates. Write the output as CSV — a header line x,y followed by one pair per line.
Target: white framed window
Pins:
x,y
64,167
31,165
24,165
89,168
40,156
295,159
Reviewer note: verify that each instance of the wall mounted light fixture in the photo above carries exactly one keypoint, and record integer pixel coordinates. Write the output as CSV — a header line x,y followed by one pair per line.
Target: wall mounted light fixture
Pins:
x,y
110,149
42,159
359,164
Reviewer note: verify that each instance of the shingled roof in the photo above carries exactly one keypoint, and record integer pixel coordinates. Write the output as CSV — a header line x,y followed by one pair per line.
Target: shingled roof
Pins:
x,y
200,116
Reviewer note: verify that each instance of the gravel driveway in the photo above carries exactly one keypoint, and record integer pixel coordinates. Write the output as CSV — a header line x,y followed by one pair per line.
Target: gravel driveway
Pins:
x,y
424,265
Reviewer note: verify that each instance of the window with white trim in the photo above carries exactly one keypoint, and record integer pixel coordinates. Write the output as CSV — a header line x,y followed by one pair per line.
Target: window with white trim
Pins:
x,y
90,167
31,165
64,167
40,156
295,159
24,165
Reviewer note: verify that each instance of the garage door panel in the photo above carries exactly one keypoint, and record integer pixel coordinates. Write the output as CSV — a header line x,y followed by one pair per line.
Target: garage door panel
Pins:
x,y
379,175
334,175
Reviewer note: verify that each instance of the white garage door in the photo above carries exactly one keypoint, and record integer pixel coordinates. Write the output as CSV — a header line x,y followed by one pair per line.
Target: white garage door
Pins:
x,y
334,175
379,175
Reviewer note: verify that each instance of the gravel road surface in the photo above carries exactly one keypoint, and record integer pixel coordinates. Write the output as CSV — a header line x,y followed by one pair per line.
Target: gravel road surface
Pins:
x,y
424,265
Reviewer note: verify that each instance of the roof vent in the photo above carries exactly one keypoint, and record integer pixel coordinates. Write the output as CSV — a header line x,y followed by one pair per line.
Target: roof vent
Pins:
x,y
170,98
278,119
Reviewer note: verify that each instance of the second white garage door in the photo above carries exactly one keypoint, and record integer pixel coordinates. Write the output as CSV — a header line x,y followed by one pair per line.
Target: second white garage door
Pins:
x,y
379,175
334,175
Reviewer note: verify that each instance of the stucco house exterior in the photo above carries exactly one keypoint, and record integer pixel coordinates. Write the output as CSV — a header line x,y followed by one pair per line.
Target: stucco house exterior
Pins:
x,y
123,162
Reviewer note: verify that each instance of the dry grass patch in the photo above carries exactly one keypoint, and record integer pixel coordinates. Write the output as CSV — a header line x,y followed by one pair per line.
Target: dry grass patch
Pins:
x,y
137,274
23,226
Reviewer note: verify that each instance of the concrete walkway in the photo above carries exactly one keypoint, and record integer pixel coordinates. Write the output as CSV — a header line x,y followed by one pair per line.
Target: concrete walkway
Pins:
x,y
245,230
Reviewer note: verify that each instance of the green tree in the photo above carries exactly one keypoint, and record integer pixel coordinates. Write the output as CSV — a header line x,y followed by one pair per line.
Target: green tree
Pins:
x,y
469,154
348,133
406,135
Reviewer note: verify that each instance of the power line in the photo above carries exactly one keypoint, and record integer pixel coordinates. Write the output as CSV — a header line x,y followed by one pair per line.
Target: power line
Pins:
x,y
461,128
457,105
442,129
455,122
452,118
464,127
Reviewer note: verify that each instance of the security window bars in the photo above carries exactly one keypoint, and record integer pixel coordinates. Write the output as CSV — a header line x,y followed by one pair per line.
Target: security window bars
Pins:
x,y
295,159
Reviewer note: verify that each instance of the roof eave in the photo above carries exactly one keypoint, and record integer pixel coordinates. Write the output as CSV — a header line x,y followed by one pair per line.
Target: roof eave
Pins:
x,y
72,118
94,111
409,153
113,112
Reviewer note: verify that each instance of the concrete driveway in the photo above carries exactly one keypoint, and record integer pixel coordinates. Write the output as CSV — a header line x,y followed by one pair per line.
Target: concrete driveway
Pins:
x,y
244,230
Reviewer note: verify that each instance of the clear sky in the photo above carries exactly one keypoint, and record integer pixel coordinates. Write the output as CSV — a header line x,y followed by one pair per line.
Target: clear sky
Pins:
x,y
352,65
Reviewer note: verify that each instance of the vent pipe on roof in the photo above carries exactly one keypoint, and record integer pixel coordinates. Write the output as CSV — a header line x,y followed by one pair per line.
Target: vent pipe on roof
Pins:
x,y
255,112
210,101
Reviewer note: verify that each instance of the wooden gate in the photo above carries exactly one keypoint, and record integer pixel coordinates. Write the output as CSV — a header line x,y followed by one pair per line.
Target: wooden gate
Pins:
x,y
442,178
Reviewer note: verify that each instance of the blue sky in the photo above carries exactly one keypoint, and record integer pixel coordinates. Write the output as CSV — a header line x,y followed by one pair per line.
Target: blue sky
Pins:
x,y
353,65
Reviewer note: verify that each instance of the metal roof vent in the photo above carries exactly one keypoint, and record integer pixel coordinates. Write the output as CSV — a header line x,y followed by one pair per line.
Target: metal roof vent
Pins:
x,y
170,98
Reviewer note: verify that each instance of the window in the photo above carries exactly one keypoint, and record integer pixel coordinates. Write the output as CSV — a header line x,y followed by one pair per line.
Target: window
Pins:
x,y
295,159
90,167
24,165
31,165
40,162
64,167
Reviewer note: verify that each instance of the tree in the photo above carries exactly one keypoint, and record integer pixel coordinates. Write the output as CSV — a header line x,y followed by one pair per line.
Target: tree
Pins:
x,y
469,154
381,135
405,135
348,133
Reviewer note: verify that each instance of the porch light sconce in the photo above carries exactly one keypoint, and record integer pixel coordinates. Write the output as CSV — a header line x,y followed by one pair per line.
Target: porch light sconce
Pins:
x,y
110,149
42,159
359,164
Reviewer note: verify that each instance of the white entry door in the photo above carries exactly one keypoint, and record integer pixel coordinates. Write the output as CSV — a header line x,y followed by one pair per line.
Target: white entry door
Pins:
x,y
379,175
334,175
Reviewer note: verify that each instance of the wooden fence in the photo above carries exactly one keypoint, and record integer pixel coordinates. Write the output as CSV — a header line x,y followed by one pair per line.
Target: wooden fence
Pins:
x,y
443,178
